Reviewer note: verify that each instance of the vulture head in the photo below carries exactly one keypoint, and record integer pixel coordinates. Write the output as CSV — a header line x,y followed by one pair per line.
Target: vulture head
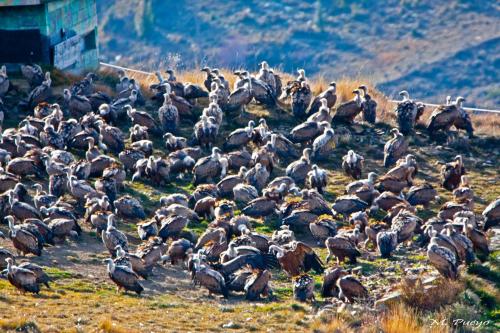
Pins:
x,y
66,94
405,95
459,101
364,89
104,109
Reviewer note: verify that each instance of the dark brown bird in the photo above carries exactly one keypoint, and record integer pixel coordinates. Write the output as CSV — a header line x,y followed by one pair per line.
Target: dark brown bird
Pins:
x,y
451,173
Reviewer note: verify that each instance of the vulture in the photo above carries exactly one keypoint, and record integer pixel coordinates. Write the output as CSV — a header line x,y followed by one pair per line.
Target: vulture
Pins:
x,y
341,247
352,164
330,95
307,131
283,236
33,74
387,242
368,106
477,237
179,251
168,115
147,229
132,261
347,111
324,144
124,277
303,288
257,176
210,167
22,278
442,259
464,192
209,278
266,75
329,286
258,284
240,137
298,170
112,237
445,116
39,94
451,173
406,113
24,240
301,98
297,257
317,178
323,114
41,276
421,195
350,289
172,226
491,214
322,228
260,207
404,224
348,204
395,148
463,245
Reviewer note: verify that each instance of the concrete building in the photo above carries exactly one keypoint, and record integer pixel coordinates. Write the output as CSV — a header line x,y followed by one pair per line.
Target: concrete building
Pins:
x,y
62,33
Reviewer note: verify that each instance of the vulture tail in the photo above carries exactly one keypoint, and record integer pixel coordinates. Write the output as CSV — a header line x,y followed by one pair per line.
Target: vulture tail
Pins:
x,y
312,261
270,260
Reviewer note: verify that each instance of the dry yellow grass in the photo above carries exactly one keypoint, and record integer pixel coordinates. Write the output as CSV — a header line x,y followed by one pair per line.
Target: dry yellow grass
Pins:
x,y
401,319
443,292
484,123
108,326
331,325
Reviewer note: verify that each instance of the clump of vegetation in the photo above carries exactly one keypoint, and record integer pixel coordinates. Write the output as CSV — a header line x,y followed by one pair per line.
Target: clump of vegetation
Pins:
x,y
19,325
432,297
108,326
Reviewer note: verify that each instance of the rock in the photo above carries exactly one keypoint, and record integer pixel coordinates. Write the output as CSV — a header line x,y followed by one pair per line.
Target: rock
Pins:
x,y
229,325
388,299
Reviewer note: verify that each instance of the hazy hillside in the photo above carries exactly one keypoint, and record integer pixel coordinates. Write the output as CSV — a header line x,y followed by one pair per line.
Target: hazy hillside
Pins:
x,y
431,48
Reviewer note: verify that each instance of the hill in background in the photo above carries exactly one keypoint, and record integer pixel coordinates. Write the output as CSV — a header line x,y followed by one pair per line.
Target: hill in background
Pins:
x,y
431,48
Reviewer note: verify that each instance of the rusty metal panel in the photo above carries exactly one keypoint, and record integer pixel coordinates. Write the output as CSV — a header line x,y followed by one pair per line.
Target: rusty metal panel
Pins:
x,y
68,53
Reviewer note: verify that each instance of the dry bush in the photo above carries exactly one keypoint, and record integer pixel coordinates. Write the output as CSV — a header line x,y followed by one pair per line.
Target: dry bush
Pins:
x,y
330,325
442,293
107,326
400,319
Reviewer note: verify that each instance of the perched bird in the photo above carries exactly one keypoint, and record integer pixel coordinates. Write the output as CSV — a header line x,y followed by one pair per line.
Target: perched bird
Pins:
x,y
394,148
124,277
317,178
442,259
341,248
303,288
297,257
22,278
350,289
352,164
451,173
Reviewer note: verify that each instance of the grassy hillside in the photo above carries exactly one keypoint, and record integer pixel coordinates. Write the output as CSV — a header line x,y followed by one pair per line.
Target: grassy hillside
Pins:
x,y
83,299
431,48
